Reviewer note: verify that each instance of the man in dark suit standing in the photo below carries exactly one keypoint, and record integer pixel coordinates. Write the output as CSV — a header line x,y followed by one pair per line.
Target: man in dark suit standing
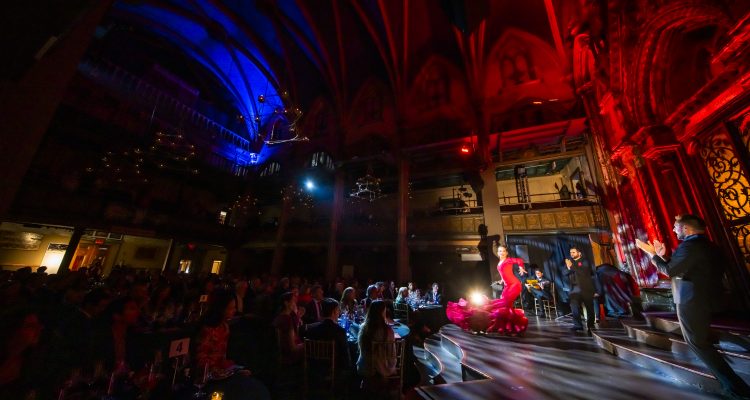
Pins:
x,y
582,288
328,329
697,287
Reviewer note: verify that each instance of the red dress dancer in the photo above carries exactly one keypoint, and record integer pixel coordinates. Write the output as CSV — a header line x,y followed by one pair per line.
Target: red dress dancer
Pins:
x,y
493,316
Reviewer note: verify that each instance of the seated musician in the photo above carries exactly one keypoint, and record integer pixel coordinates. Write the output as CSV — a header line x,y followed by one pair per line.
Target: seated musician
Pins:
x,y
539,287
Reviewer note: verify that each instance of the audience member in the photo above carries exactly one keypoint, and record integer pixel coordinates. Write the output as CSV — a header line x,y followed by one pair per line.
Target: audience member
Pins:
x,y
211,352
114,343
372,295
328,329
348,301
434,296
403,295
287,324
375,329
313,308
20,331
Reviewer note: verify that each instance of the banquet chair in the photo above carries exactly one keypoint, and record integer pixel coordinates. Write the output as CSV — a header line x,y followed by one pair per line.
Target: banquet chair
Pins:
x,y
539,307
401,312
286,378
319,353
389,349
550,305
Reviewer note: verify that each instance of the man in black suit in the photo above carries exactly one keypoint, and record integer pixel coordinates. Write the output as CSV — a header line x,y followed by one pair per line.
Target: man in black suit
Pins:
x,y
328,329
314,309
434,296
582,288
372,295
696,287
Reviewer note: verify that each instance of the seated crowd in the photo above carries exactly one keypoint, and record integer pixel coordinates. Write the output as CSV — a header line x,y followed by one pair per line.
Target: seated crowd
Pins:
x,y
82,335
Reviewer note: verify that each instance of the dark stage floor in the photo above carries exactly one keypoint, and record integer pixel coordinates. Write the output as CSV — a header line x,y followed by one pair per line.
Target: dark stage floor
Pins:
x,y
549,362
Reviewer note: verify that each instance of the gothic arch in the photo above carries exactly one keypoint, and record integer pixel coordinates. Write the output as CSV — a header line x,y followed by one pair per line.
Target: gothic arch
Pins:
x,y
321,120
371,103
437,85
661,38
518,59
371,112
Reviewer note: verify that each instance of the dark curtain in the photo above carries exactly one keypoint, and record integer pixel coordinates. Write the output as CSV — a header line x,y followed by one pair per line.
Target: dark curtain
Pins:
x,y
549,252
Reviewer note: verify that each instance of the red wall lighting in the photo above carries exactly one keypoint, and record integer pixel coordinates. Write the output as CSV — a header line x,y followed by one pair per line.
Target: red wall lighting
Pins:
x,y
465,149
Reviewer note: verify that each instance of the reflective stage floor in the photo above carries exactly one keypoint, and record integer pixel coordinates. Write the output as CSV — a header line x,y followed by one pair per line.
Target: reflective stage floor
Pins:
x,y
548,362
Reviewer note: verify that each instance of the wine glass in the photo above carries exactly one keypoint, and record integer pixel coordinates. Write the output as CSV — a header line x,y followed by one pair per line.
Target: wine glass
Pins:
x,y
200,382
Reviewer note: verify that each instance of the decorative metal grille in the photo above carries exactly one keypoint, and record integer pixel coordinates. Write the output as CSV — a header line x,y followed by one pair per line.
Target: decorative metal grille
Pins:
x,y
726,172
730,181
742,234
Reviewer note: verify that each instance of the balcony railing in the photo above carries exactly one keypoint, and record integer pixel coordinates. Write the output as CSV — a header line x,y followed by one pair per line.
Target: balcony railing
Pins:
x,y
169,111
145,94
546,201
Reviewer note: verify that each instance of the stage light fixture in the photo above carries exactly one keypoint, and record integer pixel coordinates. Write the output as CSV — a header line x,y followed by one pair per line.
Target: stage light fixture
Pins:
x,y
310,185
465,149
477,298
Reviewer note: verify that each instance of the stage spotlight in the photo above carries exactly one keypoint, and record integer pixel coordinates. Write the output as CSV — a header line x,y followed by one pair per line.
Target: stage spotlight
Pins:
x,y
477,298
310,185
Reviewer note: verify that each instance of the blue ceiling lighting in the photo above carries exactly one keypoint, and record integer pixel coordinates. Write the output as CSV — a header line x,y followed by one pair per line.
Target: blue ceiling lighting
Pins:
x,y
219,43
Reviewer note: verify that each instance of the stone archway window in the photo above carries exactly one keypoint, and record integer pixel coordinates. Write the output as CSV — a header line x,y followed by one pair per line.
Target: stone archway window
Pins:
x,y
516,68
271,169
435,89
321,159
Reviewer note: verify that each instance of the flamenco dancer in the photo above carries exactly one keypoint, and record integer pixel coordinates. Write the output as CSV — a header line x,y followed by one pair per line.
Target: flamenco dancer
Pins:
x,y
493,316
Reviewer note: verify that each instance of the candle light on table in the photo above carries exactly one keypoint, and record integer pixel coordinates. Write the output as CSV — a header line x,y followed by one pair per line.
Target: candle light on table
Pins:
x,y
217,396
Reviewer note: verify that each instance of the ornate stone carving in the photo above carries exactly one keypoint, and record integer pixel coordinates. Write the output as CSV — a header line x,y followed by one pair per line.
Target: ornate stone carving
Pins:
x,y
580,219
563,219
548,221
533,221
507,223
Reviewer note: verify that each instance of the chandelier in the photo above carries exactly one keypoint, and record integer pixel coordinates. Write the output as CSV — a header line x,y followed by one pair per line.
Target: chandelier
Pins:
x,y
284,119
368,187
135,166
245,204
296,196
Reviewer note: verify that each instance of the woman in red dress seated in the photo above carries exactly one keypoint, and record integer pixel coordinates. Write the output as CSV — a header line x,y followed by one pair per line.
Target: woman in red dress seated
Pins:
x,y
493,316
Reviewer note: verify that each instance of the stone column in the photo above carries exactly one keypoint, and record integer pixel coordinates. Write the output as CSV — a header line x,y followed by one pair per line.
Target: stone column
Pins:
x,y
71,250
338,206
278,252
403,270
492,218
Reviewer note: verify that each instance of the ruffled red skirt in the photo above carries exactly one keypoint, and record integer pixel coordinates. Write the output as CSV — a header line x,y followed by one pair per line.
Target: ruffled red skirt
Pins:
x,y
493,316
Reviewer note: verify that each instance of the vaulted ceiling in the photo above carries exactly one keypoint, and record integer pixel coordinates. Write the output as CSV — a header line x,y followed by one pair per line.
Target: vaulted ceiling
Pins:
x,y
332,48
